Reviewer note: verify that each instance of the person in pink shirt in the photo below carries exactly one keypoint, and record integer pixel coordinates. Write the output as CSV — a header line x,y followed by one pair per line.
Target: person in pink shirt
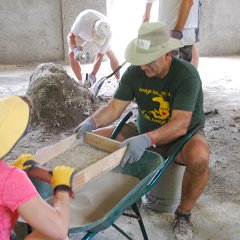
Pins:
x,y
18,196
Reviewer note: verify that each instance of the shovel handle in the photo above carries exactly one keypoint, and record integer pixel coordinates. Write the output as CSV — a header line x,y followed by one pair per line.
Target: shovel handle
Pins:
x,y
41,173
116,70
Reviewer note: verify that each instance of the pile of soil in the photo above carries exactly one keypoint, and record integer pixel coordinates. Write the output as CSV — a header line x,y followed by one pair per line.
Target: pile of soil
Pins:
x,y
58,100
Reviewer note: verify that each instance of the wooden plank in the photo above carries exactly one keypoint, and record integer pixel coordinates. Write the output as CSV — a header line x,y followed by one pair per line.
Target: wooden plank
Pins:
x,y
100,142
45,154
103,165
105,144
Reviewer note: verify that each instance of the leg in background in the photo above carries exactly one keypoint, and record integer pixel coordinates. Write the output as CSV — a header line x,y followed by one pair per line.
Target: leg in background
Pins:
x,y
75,65
195,55
113,62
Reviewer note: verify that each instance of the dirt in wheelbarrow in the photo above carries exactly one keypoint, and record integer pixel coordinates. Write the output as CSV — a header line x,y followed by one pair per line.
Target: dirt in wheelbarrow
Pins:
x,y
221,88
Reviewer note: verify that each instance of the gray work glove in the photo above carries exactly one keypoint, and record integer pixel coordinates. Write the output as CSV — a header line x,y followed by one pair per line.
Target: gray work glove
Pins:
x,y
77,53
91,79
135,148
178,35
86,126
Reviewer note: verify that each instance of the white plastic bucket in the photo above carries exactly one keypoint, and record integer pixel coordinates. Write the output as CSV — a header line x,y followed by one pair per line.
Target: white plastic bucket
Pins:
x,y
166,194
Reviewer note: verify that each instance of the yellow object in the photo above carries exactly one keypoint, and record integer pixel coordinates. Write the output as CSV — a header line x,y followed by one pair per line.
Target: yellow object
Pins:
x,y
14,119
23,158
62,177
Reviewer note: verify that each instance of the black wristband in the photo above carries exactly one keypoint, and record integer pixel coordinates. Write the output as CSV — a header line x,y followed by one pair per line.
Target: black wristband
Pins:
x,y
32,164
62,188
176,34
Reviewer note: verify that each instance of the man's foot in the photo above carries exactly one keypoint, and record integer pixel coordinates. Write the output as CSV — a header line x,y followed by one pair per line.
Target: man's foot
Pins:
x,y
182,229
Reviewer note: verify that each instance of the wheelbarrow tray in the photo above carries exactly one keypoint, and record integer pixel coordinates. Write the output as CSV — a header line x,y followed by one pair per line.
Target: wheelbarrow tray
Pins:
x,y
143,170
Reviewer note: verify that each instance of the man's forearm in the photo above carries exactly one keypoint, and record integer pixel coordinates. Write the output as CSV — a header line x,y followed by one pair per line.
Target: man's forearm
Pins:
x,y
183,14
147,13
109,113
175,128
73,43
97,63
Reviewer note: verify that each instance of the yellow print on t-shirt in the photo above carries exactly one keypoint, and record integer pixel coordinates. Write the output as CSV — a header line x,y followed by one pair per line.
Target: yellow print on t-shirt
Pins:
x,y
160,115
153,92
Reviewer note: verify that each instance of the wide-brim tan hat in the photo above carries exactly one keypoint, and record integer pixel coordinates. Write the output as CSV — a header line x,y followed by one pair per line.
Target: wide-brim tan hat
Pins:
x,y
14,119
152,42
101,31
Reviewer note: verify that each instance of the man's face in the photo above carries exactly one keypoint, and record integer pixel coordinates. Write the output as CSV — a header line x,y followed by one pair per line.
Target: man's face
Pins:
x,y
157,68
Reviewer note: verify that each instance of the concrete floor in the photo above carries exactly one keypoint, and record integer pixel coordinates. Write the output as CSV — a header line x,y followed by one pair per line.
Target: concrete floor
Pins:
x,y
213,219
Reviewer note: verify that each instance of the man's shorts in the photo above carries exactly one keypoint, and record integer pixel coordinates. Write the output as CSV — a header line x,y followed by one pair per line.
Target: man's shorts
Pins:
x,y
186,53
130,130
197,32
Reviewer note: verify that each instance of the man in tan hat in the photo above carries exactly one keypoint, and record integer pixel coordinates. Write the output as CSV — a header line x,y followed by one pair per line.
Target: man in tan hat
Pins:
x,y
18,196
168,92
93,26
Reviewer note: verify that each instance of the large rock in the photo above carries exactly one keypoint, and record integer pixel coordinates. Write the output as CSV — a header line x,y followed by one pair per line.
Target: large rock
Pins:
x,y
59,100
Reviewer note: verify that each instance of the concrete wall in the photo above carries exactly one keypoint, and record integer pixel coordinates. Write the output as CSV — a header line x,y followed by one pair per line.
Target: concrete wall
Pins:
x,y
220,28
33,30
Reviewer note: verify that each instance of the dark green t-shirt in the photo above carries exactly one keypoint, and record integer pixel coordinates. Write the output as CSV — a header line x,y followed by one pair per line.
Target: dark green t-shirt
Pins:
x,y
180,89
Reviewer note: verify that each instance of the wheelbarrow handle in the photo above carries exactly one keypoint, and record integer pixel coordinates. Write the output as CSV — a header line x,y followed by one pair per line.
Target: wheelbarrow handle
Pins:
x,y
120,125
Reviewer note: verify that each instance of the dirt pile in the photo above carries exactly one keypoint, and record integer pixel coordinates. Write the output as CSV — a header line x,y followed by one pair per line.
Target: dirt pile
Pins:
x,y
59,100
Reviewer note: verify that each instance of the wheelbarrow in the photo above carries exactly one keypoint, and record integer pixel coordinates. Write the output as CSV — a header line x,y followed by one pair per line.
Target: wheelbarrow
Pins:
x,y
125,187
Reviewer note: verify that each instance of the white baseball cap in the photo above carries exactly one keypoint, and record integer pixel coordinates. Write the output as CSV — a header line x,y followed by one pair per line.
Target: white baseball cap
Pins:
x,y
101,31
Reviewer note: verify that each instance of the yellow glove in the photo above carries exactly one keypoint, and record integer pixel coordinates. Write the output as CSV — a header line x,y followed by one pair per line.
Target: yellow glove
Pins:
x,y
25,162
62,178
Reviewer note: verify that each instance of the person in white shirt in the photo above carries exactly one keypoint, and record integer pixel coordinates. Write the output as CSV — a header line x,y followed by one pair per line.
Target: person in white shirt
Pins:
x,y
90,25
181,17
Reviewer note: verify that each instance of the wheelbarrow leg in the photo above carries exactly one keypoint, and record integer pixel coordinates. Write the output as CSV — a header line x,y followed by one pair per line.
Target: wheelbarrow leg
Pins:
x,y
122,232
89,235
140,221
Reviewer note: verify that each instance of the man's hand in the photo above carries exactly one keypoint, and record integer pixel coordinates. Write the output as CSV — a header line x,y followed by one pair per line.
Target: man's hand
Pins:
x,y
91,79
25,162
77,53
178,35
135,148
86,126
62,178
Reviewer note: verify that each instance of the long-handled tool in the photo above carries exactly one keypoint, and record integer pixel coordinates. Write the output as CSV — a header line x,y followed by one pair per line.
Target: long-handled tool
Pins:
x,y
97,85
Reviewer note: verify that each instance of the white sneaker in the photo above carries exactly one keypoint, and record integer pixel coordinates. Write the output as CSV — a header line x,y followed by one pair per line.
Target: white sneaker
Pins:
x,y
183,228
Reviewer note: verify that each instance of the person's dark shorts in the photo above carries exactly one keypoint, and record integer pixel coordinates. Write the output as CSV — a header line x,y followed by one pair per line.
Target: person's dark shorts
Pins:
x,y
130,130
197,30
186,53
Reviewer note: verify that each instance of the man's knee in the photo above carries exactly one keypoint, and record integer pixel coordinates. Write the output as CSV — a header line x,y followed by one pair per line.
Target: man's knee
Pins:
x,y
198,157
